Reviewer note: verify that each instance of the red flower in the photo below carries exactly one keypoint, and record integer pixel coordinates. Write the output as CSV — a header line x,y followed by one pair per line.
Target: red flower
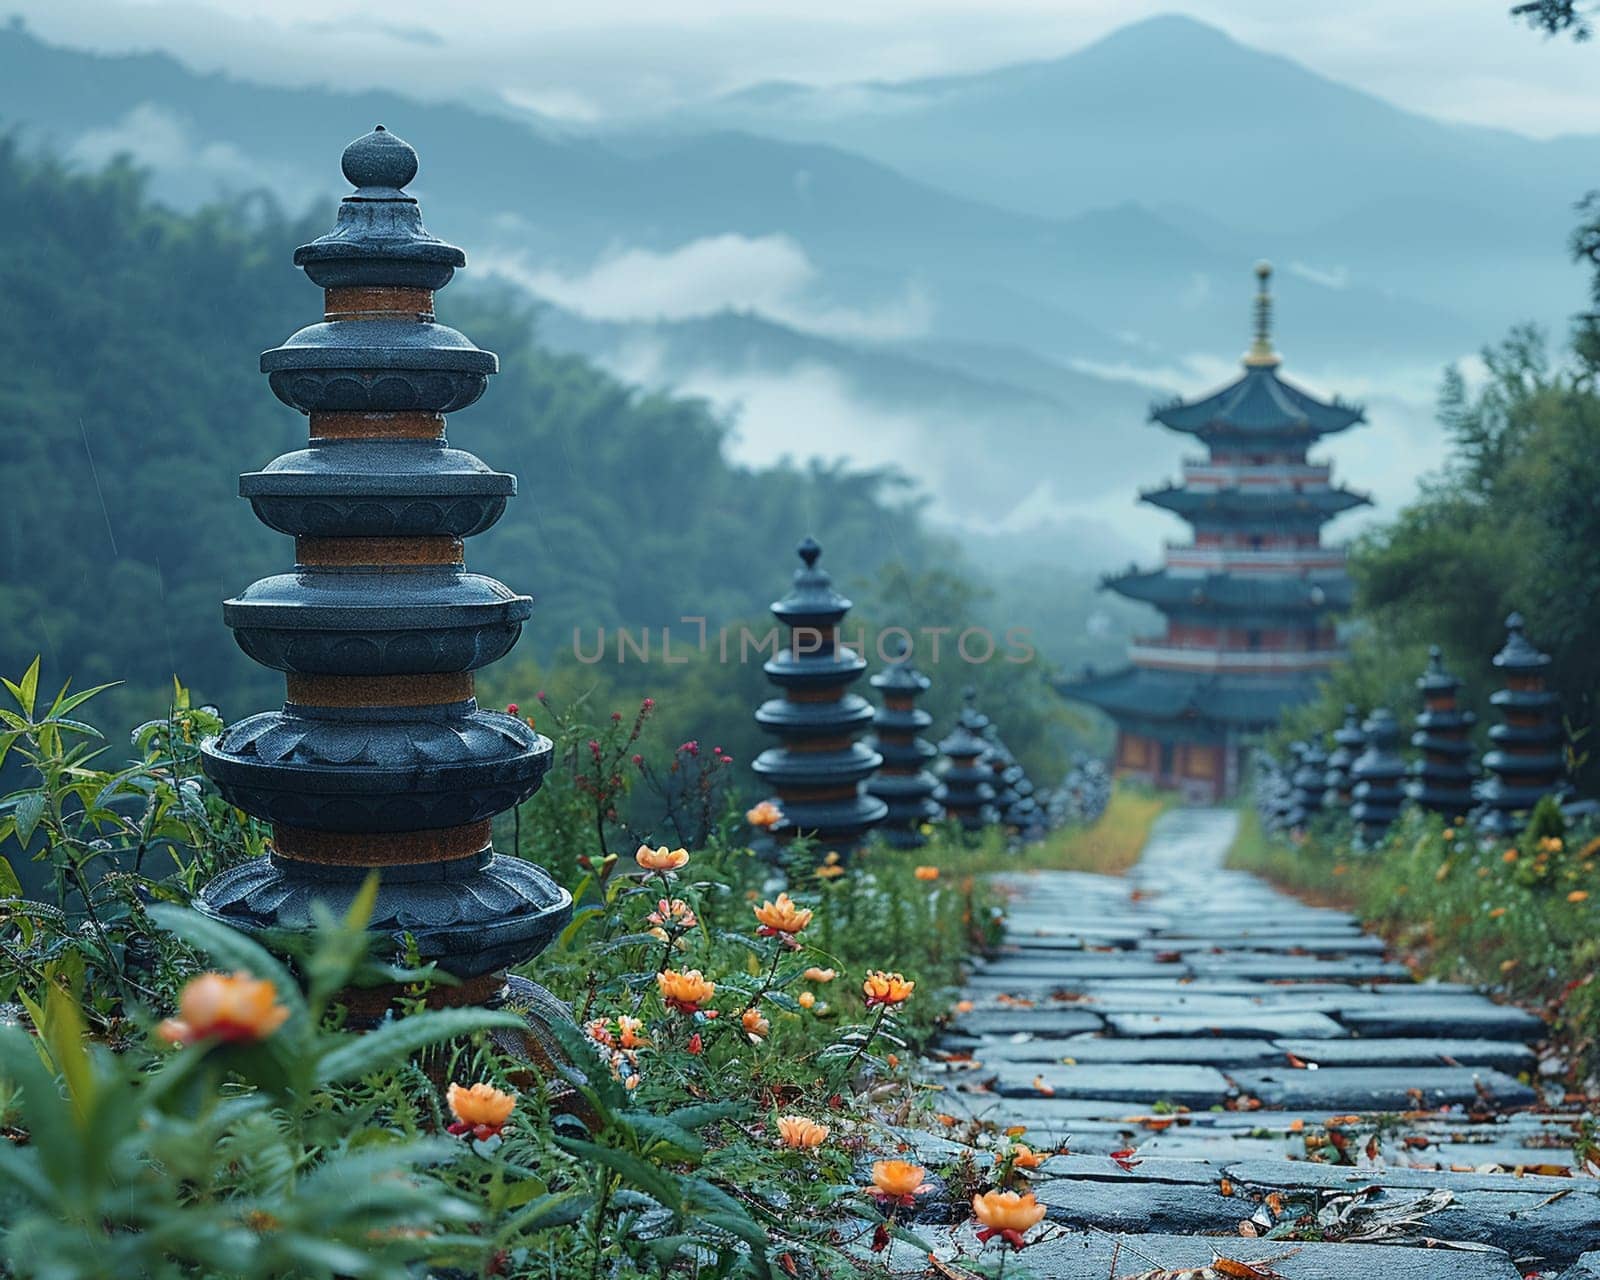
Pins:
x,y
696,1044
511,708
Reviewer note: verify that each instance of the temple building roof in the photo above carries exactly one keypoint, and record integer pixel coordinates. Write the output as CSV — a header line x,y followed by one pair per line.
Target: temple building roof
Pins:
x,y
1252,504
1259,402
1234,592
1239,701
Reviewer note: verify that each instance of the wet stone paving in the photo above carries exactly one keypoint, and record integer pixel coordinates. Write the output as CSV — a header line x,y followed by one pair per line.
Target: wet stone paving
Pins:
x,y
1233,1073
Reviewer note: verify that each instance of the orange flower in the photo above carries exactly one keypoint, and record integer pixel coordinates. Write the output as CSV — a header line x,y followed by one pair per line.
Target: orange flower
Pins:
x,y
1449,833
1022,1156
886,988
755,1026
232,1008
965,1006
1578,895
1510,855
815,974
830,867
673,911
1007,1215
481,1110
686,991
898,1182
765,815
781,916
632,1030
806,999
800,1134
662,859
926,873
1497,913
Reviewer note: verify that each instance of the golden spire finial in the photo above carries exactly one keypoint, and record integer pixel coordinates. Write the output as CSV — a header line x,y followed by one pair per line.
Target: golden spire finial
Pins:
x,y
1261,354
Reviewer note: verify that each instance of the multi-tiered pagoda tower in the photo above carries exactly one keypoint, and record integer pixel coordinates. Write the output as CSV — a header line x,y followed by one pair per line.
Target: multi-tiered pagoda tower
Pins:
x,y
968,793
381,758
1441,777
904,783
818,766
1249,599
1528,759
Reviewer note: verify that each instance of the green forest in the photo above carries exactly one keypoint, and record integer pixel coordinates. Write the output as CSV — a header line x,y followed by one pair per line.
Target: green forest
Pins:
x,y
1503,526
132,402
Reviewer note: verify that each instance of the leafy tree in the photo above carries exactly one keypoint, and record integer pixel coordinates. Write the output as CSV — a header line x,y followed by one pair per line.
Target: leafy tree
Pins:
x,y
1557,17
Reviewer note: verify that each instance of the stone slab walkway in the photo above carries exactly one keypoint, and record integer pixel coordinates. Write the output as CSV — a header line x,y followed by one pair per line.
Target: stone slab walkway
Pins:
x,y
1223,1061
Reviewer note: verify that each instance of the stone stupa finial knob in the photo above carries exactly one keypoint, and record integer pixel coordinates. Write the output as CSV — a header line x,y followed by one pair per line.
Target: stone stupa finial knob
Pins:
x,y
379,159
809,550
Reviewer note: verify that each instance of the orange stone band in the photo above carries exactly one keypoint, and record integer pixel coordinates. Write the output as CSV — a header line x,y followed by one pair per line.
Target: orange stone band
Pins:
x,y
407,848
378,551
377,302
379,691
377,426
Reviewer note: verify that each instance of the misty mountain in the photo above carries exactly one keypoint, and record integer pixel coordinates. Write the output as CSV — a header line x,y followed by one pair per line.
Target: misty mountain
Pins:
x,y
1172,113
985,425
559,201
1003,355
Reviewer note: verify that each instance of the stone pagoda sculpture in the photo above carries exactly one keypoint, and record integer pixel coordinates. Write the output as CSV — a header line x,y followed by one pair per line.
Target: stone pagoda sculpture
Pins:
x,y
1349,741
1376,777
1013,793
904,783
818,767
1306,785
968,780
1441,779
1527,759
381,759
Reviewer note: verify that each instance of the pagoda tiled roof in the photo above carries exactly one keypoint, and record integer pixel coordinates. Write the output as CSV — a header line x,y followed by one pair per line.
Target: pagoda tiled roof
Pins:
x,y
1251,503
1240,701
1258,402
1234,591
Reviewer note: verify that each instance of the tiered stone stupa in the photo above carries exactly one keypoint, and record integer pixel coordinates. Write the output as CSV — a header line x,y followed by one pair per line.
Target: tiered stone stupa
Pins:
x,y
1527,761
1349,741
1249,600
381,759
818,767
1376,777
903,783
968,780
1013,793
1307,784
1441,779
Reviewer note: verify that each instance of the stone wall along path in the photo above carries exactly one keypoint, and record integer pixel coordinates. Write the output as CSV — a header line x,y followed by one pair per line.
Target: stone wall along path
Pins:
x,y
1221,1060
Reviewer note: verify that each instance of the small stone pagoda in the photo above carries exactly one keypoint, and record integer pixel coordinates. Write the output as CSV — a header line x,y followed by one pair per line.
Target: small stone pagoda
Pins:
x,y
1376,777
1013,793
1003,770
1441,778
968,780
1527,761
1249,600
818,766
1349,741
903,783
381,759
1307,784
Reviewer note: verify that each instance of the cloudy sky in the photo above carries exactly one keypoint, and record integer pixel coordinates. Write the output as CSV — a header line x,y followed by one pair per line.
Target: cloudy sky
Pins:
x,y
1457,59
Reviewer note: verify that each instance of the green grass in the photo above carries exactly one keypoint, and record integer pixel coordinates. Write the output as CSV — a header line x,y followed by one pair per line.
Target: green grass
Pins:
x,y
1109,846
1520,917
